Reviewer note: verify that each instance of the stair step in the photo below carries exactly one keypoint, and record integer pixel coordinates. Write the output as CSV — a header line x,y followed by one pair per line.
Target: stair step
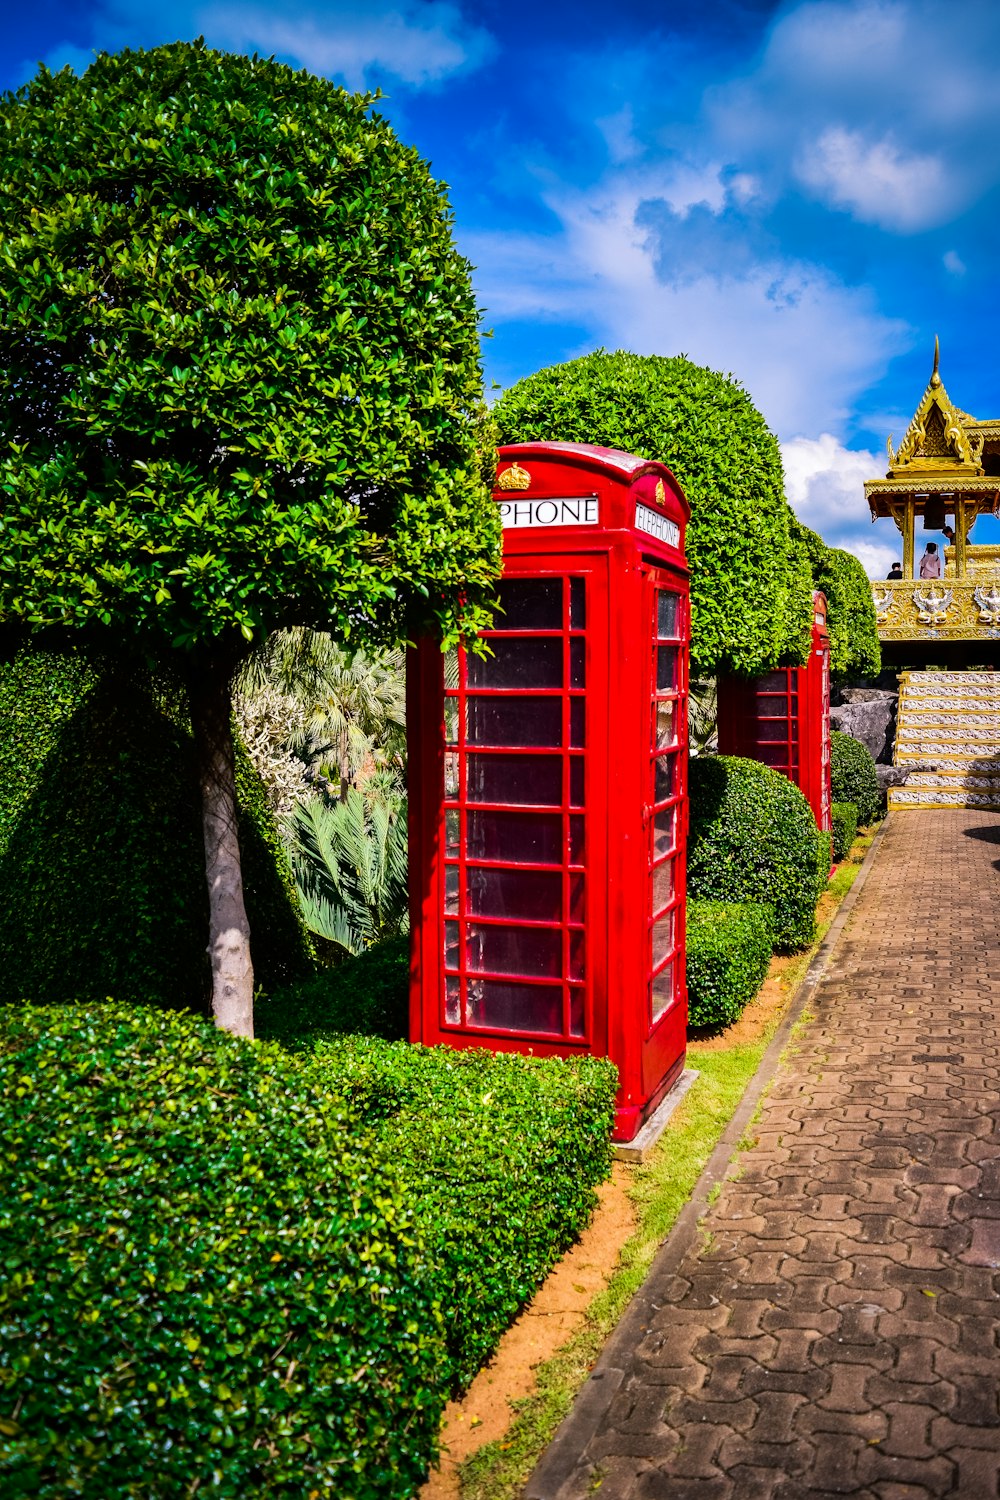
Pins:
x,y
903,798
952,721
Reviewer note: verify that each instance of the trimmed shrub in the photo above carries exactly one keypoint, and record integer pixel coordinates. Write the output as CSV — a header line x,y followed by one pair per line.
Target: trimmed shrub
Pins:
x,y
368,995
102,871
844,816
728,950
850,612
853,777
500,1155
753,837
210,1284
751,586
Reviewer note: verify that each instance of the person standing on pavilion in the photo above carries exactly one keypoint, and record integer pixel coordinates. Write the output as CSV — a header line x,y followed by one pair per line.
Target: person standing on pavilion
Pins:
x,y
930,563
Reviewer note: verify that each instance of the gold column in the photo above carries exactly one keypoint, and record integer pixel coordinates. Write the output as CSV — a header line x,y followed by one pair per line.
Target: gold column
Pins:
x,y
909,520
960,553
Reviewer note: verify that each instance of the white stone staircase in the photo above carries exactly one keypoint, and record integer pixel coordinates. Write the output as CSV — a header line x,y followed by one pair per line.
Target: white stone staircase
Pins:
x,y
951,720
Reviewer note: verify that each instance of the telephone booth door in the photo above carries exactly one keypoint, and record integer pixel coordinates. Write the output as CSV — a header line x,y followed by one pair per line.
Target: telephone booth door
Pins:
x,y
665,820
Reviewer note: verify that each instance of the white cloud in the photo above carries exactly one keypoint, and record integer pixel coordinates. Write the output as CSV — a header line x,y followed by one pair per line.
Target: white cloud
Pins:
x,y
419,42
954,263
824,483
877,181
802,342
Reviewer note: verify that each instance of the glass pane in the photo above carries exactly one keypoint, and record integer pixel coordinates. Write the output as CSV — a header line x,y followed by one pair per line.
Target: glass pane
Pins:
x,y
662,886
520,780
452,1001
576,845
578,603
773,755
451,775
774,682
576,781
578,661
519,662
451,890
451,669
576,911
515,1007
772,729
534,951
663,992
772,706
452,826
576,1016
663,786
665,723
535,894
663,832
576,950
451,945
577,723
531,838
451,721
666,669
530,604
514,721
663,937
666,615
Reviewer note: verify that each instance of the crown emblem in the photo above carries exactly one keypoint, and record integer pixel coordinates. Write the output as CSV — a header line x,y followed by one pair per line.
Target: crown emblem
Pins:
x,y
661,493
514,478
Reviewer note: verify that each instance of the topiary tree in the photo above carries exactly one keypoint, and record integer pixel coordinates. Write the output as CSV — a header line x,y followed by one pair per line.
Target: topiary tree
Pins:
x,y
753,837
751,591
854,643
239,388
853,777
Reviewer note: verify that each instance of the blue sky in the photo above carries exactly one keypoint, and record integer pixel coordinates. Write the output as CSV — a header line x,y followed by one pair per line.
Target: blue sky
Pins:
x,y
799,194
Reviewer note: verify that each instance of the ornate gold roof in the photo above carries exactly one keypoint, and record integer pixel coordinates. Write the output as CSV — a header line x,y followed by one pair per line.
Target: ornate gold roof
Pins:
x,y
941,454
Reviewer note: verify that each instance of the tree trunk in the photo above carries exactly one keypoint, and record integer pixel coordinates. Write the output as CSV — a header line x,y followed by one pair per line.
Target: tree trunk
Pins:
x,y
228,928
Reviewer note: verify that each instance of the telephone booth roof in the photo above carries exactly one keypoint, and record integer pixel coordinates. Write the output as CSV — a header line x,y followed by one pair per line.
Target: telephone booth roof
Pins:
x,y
537,482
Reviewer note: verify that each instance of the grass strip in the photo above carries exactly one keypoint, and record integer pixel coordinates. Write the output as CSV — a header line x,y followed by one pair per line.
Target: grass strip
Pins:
x,y
662,1186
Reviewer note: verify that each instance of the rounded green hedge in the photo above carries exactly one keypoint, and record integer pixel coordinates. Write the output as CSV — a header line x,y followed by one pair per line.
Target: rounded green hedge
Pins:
x,y
210,1285
729,947
850,613
844,817
853,777
367,994
753,837
751,586
102,866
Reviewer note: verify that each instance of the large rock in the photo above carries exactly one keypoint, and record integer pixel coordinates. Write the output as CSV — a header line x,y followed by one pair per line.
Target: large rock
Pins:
x,y
868,715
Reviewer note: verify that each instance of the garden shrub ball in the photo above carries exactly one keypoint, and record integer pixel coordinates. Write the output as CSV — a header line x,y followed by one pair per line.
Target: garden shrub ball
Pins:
x,y
844,816
853,777
729,947
753,837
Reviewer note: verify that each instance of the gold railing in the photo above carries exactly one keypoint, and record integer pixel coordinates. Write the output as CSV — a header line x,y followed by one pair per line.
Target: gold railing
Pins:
x,y
920,609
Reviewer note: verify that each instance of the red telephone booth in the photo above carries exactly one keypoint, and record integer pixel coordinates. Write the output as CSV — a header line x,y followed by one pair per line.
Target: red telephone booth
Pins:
x,y
783,719
548,804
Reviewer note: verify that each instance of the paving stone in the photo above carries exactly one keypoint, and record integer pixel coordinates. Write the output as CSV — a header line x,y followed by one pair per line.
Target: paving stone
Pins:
x,y
799,1356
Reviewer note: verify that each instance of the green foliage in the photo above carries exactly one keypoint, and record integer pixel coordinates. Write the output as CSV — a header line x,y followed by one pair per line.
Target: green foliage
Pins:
x,y
844,816
853,777
729,948
239,381
102,883
854,643
499,1154
368,995
210,1284
350,860
753,837
751,591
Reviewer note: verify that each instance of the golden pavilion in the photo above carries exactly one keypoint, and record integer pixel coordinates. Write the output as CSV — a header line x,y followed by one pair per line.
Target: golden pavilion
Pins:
x,y
944,474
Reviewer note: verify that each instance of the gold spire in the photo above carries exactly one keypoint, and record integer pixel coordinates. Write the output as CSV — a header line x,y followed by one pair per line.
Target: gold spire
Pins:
x,y
935,441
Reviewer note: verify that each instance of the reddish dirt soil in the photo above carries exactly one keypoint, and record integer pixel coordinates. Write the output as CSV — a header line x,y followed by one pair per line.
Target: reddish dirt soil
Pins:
x,y
546,1324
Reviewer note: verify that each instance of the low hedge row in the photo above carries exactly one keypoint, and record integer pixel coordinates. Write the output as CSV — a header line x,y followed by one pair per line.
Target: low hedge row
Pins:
x,y
368,994
853,777
729,948
500,1156
211,1281
753,837
844,816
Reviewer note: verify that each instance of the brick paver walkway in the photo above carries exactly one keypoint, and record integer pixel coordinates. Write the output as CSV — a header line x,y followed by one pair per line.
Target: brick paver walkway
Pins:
x,y
838,1335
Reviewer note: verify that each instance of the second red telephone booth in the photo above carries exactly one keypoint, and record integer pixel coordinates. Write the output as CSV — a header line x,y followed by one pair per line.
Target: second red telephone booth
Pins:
x,y
548,806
